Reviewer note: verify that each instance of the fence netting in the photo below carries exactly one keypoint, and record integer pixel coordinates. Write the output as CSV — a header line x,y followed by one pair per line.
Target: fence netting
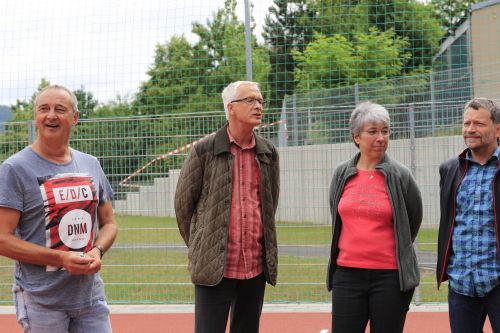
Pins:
x,y
148,76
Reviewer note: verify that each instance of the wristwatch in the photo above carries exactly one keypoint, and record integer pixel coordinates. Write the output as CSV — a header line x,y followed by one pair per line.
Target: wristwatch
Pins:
x,y
100,249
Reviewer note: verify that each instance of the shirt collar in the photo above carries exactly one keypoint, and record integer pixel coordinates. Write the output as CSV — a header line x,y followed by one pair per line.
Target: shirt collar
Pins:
x,y
232,140
495,154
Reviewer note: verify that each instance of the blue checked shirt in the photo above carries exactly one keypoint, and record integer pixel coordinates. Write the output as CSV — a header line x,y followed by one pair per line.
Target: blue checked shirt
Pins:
x,y
473,268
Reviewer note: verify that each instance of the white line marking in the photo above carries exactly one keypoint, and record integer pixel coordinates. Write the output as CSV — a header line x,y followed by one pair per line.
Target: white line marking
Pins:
x,y
324,331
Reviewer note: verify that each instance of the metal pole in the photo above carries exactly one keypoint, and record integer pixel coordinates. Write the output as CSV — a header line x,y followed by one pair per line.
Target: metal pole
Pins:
x,y
411,113
413,164
248,39
282,139
356,93
295,126
470,65
31,132
433,105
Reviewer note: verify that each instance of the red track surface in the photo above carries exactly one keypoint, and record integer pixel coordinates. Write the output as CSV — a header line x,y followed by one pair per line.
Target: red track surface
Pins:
x,y
417,322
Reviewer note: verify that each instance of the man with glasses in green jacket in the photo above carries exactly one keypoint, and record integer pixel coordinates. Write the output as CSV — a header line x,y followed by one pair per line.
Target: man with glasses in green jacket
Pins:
x,y
225,202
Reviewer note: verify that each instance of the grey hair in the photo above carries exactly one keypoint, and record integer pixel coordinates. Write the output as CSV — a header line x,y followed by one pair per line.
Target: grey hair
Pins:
x,y
367,112
231,92
74,101
488,104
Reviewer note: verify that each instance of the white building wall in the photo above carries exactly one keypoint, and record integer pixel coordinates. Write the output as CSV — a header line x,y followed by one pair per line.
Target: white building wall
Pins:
x,y
305,180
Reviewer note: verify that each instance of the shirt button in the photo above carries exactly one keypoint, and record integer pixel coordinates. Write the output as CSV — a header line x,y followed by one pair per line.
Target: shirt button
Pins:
x,y
245,216
242,183
244,199
242,166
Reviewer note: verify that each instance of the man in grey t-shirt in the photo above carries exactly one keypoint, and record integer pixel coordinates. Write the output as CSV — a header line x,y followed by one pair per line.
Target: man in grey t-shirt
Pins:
x,y
56,221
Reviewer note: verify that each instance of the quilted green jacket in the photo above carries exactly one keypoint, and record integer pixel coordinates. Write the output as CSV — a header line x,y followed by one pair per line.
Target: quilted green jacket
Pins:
x,y
203,202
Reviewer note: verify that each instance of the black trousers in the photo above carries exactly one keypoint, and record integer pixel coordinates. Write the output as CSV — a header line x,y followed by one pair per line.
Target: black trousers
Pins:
x,y
468,314
241,298
360,295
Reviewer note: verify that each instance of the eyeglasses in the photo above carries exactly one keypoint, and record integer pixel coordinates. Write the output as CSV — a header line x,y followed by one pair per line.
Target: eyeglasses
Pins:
x,y
385,132
250,101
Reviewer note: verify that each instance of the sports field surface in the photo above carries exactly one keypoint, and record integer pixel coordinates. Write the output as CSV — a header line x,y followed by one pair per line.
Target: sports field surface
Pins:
x,y
276,318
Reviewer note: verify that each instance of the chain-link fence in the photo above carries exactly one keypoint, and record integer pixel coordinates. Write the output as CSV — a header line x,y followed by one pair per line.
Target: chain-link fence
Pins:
x,y
148,76
142,157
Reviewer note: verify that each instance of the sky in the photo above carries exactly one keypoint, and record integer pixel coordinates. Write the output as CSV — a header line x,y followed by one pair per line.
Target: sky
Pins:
x,y
105,46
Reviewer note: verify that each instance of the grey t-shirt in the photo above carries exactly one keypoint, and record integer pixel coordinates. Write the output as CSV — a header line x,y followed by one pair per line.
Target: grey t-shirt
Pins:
x,y
58,204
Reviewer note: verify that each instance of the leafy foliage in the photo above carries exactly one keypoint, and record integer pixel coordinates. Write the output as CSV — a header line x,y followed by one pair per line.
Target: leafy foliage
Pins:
x,y
302,27
309,46
86,102
20,129
190,78
331,62
451,13
287,29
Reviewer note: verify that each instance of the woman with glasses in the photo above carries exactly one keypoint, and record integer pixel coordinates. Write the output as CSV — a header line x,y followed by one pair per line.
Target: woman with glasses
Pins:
x,y
376,211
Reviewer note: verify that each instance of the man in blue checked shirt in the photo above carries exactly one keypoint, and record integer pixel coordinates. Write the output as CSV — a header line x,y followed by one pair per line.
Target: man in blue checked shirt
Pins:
x,y
468,245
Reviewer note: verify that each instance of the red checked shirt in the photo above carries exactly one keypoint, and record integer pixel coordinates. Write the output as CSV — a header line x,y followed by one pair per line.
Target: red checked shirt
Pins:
x,y
244,250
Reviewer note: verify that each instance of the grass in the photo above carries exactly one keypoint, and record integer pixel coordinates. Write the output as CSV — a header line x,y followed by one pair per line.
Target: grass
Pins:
x,y
428,289
135,272
135,230
427,240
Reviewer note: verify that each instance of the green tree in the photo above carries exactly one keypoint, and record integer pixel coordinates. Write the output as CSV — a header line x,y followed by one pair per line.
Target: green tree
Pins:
x,y
411,20
287,28
331,62
86,102
23,110
175,76
340,17
223,41
189,78
17,130
451,13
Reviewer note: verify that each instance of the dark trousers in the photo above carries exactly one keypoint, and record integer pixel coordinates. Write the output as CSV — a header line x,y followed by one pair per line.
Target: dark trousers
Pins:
x,y
360,295
241,298
468,314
